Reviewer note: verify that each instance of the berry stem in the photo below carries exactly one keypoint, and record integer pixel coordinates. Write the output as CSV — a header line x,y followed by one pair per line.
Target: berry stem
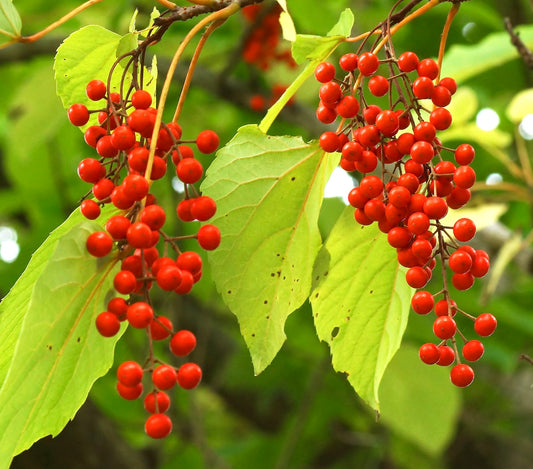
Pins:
x,y
445,30
192,66
213,17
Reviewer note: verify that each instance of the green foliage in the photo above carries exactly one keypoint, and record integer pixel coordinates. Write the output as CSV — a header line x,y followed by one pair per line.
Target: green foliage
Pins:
x,y
409,390
360,303
268,192
10,22
54,353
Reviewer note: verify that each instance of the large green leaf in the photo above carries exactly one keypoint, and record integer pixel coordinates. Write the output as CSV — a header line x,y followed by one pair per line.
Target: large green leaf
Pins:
x,y
268,191
360,303
10,23
54,350
464,62
418,401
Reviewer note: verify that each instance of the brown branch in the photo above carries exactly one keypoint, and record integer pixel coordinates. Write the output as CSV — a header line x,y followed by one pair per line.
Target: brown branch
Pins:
x,y
523,50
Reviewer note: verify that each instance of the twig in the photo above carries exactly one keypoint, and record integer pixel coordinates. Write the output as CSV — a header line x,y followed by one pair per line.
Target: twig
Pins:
x,y
523,50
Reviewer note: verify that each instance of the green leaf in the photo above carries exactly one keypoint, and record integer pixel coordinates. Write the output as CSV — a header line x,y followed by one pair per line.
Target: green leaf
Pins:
x,y
463,106
344,25
268,191
360,303
318,48
418,401
55,352
520,106
10,23
470,132
88,54
464,62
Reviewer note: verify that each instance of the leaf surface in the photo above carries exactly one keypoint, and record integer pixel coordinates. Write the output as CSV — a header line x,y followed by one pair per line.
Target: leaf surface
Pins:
x,y
419,402
360,303
58,353
268,192
10,23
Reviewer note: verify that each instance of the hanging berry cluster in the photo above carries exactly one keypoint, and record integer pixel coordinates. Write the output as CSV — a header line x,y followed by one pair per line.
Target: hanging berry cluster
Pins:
x,y
409,185
121,174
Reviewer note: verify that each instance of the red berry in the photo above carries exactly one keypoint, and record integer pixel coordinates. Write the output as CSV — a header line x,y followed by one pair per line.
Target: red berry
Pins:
x,y
169,277
140,314
441,118
78,114
464,177
141,99
189,260
378,85
428,68
460,262
118,307
347,107
156,402
408,61
107,324
99,244
103,188
123,138
105,147
462,375
422,152
464,229
189,375
153,216
423,87
473,350
368,63
447,355
418,223
441,308
399,237
417,277
135,187
441,96
444,327
463,281
207,141
139,235
464,154
91,170
90,209
125,282
129,373
209,237
189,170
485,324
435,207
348,62
422,302
117,226
160,328
387,122
429,353
329,141
158,426
95,90
93,134
182,343
324,72
164,377
130,392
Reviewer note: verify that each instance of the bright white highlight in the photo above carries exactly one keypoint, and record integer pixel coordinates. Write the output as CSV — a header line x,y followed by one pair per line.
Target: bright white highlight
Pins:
x,y
339,185
177,185
493,179
487,119
9,248
526,127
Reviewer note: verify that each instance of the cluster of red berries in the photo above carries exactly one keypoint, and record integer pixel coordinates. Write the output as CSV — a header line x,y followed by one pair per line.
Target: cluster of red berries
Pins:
x,y
122,175
412,185
261,46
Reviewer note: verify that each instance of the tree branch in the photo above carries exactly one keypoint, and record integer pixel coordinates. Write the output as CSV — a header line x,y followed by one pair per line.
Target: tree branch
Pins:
x,y
523,50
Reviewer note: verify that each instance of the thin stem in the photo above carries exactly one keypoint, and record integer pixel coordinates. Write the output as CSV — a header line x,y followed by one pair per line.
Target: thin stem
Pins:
x,y
524,159
59,22
192,66
442,47
167,4
224,13
423,9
